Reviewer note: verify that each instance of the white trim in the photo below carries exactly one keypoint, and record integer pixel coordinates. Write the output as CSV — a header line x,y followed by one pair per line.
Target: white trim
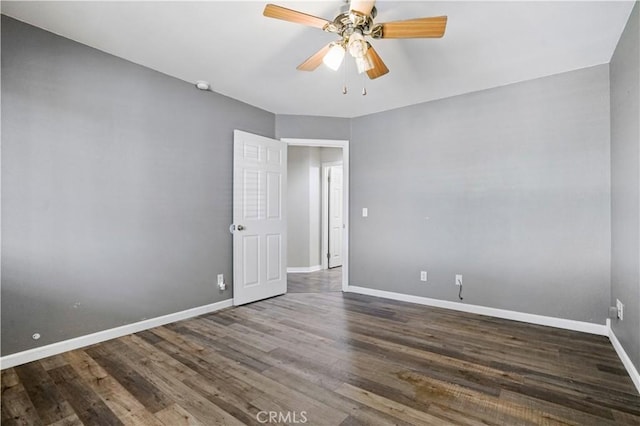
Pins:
x,y
34,354
330,143
344,144
622,354
585,327
303,269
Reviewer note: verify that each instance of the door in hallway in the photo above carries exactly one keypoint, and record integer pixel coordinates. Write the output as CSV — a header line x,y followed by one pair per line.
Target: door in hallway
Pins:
x,y
336,222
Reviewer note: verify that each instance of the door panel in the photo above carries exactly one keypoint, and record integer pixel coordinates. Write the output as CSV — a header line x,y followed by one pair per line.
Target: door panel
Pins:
x,y
251,194
259,217
274,195
274,257
250,261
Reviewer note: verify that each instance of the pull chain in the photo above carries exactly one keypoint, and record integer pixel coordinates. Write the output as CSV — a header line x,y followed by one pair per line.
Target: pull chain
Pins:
x,y
344,87
364,85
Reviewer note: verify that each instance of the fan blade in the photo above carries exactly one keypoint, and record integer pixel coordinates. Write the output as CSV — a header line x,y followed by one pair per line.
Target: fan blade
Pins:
x,y
415,28
314,60
379,68
279,12
362,6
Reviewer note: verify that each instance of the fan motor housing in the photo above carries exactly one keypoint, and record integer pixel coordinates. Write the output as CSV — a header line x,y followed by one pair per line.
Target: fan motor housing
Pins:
x,y
348,22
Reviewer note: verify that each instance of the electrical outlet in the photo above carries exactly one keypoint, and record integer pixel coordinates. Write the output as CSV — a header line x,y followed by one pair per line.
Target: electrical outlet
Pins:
x,y
365,212
423,275
221,283
458,279
620,307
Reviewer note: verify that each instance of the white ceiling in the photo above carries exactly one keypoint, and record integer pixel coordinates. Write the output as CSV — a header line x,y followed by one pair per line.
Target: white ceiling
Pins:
x,y
252,58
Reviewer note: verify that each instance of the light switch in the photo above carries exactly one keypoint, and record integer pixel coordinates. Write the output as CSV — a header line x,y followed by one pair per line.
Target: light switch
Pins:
x,y
365,212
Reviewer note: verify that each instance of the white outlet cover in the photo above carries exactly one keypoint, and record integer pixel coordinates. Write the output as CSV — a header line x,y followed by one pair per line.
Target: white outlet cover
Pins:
x,y
620,307
423,275
458,279
365,212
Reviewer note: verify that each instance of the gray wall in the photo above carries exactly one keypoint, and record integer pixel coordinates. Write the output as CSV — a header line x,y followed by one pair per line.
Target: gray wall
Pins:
x,y
309,127
625,184
116,189
509,187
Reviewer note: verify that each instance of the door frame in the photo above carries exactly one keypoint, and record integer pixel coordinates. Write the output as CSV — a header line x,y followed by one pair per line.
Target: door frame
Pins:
x,y
344,144
325,211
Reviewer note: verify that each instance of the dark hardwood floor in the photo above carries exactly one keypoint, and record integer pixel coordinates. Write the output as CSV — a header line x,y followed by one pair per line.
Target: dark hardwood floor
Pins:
x,y
329,359
315,282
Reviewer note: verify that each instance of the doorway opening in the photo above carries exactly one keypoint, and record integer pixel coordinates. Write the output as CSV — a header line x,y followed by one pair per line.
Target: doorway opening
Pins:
x,y
317,215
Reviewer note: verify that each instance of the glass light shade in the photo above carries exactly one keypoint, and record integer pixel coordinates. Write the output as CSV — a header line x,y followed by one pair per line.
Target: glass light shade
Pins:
x,y
363,64
334,57
357,45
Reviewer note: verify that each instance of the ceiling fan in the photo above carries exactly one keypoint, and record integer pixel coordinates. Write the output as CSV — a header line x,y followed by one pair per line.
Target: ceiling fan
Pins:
x,y
353,24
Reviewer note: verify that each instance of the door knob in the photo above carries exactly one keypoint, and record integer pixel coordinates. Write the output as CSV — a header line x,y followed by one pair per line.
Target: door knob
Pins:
x,y
239,227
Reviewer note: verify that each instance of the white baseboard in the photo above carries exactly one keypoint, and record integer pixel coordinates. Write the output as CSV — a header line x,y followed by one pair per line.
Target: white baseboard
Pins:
x,y
622,354
303,269
585,327
34,354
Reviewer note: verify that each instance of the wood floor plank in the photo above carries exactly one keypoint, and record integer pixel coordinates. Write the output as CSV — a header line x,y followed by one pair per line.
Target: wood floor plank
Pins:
x,y
52,362
17,408
278,397
325,392
327,280
87,405
388,406
149,396
175,415
72,420
231,396
341,359
9,379
44,394
555,412
123,404
169,376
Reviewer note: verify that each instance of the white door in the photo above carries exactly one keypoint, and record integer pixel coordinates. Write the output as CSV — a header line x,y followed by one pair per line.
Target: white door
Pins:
x,y
259,217
335,216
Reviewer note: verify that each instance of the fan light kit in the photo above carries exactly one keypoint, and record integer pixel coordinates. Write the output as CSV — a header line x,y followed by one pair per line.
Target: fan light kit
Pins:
x,y
335,55
353,25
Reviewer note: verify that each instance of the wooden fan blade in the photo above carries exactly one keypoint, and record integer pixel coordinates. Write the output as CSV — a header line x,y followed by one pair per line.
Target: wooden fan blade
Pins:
x,y
379,68
314,60
415,28
362,6
279,12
